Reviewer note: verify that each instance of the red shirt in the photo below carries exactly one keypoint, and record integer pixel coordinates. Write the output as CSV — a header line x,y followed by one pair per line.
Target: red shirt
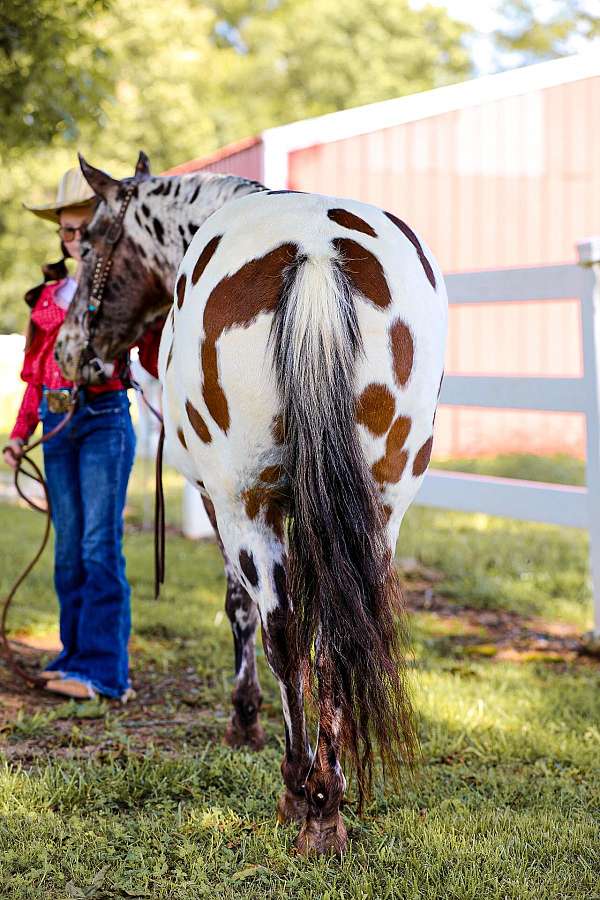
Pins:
x,y
41,369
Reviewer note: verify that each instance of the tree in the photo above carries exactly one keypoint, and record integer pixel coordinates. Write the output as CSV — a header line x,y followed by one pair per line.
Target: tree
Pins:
x,y
52,74
300,58
189,76
570,27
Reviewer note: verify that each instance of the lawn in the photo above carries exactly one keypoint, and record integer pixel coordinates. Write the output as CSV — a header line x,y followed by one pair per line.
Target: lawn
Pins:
x,y
100,800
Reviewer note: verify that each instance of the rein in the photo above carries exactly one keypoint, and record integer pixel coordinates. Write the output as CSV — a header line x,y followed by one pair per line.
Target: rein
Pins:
x,y
159,497
34,475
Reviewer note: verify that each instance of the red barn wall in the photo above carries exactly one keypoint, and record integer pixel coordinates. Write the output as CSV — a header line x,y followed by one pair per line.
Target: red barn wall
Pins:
x,y
243,158
506,183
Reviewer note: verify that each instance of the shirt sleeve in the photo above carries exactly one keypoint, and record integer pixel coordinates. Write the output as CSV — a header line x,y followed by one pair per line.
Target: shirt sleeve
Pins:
x,y
27,417
148,346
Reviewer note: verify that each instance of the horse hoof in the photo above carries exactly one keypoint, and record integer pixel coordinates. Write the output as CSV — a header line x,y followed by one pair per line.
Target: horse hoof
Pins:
x,y
291,808
321,836
237,736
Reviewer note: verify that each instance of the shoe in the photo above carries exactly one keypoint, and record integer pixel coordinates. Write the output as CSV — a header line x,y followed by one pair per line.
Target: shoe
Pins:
x,y
128,694
72,687
51,676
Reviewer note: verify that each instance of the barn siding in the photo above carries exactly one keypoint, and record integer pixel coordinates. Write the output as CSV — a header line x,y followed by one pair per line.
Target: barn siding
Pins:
x,y
244,158
511,182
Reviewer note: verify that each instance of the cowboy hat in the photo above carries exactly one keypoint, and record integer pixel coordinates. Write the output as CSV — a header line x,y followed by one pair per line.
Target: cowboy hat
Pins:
x,y
73,190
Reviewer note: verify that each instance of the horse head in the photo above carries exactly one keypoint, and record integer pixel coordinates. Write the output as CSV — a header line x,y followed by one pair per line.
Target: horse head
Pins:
x,y
122,285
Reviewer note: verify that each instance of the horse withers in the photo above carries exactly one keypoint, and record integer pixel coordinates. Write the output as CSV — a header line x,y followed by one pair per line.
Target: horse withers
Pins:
x,y
300,362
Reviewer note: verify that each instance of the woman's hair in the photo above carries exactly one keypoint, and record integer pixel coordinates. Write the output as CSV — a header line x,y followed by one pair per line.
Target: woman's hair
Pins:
x,y
52,272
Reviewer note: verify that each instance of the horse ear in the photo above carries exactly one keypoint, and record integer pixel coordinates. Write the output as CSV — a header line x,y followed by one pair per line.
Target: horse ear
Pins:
x,y
101,183
142,167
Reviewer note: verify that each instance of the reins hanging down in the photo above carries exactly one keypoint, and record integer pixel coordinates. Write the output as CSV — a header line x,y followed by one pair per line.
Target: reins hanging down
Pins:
x,y
159,496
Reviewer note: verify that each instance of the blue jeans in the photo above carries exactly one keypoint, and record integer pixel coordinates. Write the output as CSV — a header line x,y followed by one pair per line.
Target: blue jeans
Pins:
x,y
87,469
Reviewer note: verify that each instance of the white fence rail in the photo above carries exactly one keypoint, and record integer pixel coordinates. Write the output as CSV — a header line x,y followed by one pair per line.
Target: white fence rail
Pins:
x,y
533,501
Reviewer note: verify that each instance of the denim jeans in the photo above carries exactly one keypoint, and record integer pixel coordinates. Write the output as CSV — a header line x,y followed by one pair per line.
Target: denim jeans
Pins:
x,y
87,469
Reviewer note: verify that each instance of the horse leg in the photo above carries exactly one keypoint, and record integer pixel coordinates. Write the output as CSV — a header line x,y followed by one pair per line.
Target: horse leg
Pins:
x,y
244,727
324,830
287,668
258,555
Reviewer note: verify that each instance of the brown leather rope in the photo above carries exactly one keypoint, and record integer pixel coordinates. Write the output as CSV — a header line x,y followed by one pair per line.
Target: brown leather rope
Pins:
x,y
35,475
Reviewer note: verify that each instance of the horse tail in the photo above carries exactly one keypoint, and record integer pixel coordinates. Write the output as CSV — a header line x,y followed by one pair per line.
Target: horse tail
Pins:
x,y
342,582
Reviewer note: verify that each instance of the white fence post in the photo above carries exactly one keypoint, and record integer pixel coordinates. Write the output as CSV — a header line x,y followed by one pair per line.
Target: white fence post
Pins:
x,y
194,521
589,258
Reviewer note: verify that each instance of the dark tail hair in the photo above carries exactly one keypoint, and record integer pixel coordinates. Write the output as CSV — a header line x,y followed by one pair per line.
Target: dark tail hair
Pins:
x,y
342,582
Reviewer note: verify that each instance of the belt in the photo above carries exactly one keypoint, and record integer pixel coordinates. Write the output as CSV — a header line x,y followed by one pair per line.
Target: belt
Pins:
x,y
59,400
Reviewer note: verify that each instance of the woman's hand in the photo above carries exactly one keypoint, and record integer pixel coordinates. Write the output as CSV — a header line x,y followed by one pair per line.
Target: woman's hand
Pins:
x,y
12,452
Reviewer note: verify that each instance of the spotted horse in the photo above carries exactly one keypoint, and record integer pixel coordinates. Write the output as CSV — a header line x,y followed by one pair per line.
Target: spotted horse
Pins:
x,y
300,364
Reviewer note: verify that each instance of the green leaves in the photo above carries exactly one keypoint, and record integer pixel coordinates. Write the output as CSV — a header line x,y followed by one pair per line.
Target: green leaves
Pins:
x,y
180,79
51,73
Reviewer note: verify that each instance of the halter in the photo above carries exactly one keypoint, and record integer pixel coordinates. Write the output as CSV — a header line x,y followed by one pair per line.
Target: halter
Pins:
x,y
99,278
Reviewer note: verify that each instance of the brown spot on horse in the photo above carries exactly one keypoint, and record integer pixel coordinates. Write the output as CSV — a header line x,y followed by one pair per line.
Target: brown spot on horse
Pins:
x,y
364,271
403,351
181,437
204,258
422,458
198,423
180,290
409,233
348,220
391,466
268,496
375,408
237,301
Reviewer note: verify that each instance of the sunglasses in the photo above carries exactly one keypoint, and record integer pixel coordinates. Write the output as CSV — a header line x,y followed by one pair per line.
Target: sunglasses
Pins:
x,y
68,234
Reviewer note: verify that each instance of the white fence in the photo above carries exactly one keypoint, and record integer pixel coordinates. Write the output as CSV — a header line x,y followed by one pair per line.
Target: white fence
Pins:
x,y
533,501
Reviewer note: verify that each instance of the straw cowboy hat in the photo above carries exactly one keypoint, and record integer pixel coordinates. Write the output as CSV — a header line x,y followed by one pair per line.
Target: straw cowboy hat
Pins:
x,y
73,190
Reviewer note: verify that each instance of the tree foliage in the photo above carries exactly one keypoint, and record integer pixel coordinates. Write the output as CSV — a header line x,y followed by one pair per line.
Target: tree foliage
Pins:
x,y
571,25
180,79
52,73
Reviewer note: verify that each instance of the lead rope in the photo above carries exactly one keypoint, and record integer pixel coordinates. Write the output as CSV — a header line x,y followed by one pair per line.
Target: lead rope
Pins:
x,y
35,475
159,495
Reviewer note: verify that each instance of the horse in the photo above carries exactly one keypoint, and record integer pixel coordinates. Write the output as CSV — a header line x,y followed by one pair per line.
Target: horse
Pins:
x,y
301,361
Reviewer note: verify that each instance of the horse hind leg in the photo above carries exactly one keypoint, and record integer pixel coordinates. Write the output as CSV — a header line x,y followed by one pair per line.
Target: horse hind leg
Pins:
x,y
244,727
287,668
324,830
260,564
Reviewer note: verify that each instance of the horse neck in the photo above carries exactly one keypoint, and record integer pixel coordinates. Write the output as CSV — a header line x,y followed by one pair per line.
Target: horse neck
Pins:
x,y
170,210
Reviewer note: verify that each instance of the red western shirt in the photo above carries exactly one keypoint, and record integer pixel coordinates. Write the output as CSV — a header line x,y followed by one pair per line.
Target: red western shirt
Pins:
x,y
40,369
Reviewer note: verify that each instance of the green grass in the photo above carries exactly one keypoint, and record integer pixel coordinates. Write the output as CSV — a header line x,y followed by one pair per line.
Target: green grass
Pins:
x,y
560,469
505,804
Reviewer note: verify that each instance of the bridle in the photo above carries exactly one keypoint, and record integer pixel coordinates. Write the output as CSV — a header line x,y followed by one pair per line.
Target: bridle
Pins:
x,y
102,269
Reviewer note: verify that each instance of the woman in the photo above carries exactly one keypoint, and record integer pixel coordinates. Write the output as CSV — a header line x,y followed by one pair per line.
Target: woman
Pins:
x,y
87,469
